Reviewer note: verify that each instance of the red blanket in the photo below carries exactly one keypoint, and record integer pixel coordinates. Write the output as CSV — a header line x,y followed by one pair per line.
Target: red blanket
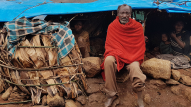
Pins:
x,y
125,42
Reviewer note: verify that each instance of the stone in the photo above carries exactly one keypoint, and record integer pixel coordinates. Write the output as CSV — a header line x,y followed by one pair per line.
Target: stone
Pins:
x,y
55,101
175,90
95,85
186,80
96,98
93,88
78,104
157,68
147,98
70,103
187,93
158,83
91,66
172,82
7,93
44,100
82,99
176,75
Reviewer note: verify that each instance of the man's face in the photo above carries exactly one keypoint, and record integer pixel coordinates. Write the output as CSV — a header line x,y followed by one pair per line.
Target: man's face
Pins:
x,y
124,14
164,37
179,26
78,26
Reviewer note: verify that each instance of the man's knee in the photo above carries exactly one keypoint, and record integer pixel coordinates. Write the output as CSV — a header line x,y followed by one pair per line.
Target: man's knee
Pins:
x,y
134,64
109,60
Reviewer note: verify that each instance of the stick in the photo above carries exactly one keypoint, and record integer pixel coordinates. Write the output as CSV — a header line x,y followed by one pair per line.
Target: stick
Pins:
x,y
16,102
81,88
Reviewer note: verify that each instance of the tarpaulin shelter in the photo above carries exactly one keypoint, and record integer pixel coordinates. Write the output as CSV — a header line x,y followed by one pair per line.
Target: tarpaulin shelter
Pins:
x,y
10,9
176,6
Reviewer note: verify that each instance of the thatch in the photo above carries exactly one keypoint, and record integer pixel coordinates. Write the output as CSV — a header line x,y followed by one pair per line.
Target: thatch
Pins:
x,y
59,79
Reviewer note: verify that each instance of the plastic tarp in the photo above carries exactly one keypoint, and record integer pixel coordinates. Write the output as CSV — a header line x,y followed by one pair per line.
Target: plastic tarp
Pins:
x,y
10,9
177,6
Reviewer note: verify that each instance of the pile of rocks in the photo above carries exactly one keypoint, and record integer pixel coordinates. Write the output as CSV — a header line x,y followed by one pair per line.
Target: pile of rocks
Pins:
x,y
163,75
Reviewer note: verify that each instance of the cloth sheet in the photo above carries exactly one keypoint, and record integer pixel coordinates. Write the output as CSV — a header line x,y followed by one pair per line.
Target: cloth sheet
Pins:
x,y
177,62
20,28
125,42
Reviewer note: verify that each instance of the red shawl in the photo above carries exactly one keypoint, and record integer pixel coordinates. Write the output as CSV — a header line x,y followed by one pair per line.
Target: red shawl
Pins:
x,y
125,42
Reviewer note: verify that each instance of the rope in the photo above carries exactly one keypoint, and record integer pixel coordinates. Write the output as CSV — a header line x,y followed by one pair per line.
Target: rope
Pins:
x,y
16,102
72,18
31,7
40,69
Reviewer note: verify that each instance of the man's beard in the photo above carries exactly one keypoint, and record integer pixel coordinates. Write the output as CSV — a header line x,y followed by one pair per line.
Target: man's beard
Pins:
x,y
124,22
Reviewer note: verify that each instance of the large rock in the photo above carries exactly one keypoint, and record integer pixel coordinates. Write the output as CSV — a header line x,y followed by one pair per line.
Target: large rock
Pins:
x,y
176,75
91,66
186,80
157,68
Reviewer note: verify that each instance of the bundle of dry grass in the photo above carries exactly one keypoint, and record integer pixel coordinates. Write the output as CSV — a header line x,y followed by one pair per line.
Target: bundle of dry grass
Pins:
x,y
17,95
37,52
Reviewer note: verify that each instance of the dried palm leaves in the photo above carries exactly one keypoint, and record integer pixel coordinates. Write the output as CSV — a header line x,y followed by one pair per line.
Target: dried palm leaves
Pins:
x,y
34,55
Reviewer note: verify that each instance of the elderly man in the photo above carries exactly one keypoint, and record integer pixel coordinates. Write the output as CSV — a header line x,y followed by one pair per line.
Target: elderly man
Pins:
x,y
124,47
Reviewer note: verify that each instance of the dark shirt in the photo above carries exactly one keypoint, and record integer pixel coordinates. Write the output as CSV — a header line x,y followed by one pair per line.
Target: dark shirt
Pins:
x,y
165,48
177,50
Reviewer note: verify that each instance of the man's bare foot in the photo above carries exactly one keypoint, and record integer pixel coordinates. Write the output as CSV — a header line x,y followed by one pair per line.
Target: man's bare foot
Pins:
x,y
110,100
140,100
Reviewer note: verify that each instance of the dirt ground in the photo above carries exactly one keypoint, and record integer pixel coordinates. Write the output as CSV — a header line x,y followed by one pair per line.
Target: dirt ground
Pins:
x,y
160,95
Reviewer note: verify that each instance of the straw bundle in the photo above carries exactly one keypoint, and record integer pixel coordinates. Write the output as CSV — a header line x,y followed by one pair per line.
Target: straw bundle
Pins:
x,y
33,66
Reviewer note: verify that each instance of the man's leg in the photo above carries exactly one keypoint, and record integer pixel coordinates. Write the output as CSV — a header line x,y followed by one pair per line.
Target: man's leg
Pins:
x,y
110,80
138,80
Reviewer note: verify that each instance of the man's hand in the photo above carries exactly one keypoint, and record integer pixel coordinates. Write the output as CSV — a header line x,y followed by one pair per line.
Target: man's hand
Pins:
x,y
146,38
167,42
173,35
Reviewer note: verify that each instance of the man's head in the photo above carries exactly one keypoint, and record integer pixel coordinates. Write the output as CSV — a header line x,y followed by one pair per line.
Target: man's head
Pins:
x,y
78,26
164,37
124,12
179,25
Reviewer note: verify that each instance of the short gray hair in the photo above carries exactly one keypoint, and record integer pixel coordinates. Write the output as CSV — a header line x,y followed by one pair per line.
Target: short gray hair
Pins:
x,y
123,5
